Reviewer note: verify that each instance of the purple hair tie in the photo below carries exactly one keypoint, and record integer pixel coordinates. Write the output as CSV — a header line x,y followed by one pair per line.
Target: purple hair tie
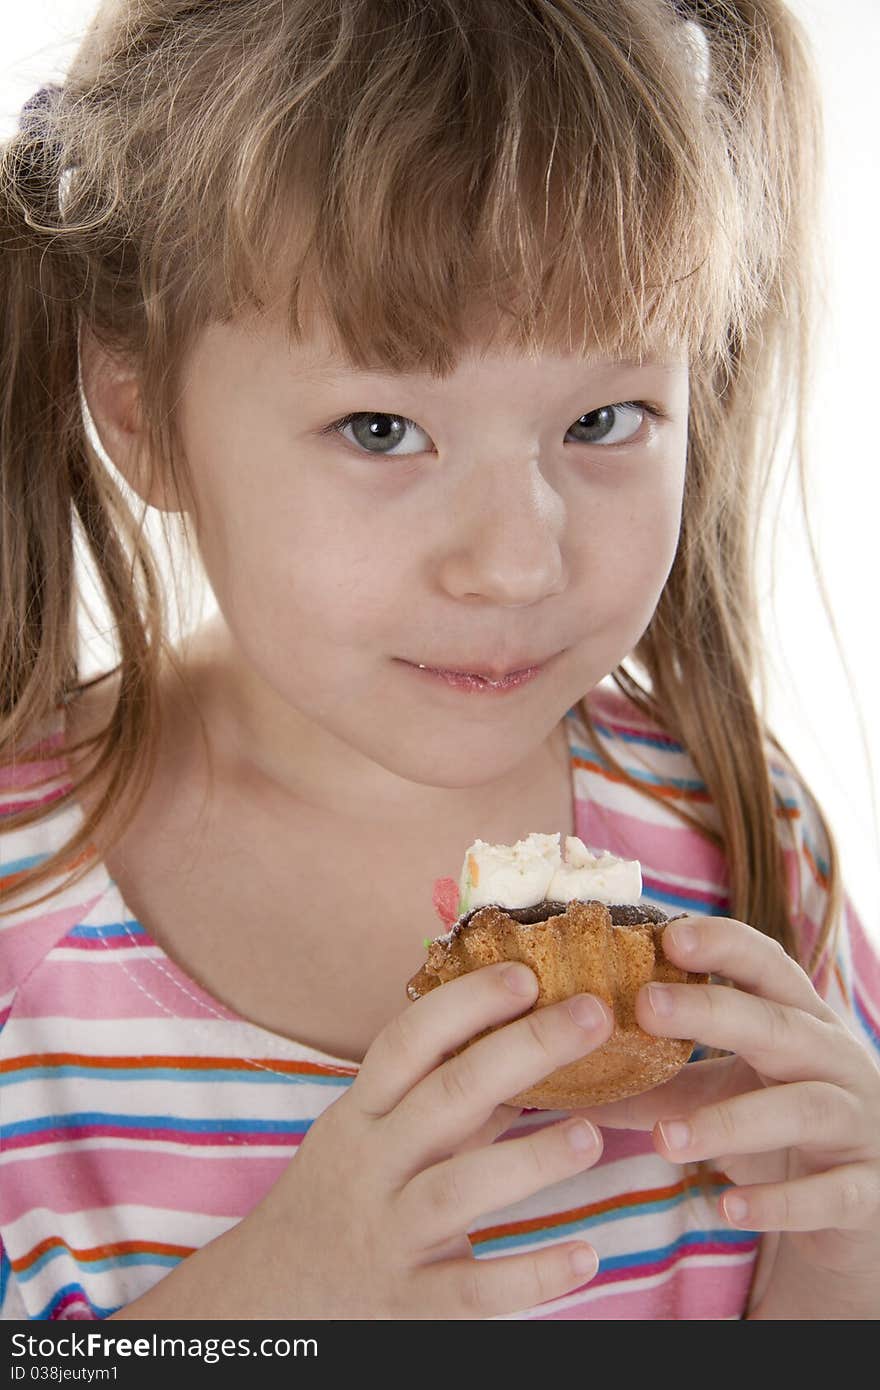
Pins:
x,y
32,118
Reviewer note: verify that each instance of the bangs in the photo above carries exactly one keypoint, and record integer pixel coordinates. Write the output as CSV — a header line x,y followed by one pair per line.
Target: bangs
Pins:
x,y
508,164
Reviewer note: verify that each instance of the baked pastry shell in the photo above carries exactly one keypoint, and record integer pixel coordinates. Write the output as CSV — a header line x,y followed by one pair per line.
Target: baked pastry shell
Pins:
x,y
576,949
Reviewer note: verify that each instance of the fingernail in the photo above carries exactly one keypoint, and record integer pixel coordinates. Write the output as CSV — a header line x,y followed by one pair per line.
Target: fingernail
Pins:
x,y
582,1136
736,1209
584,1260
660,1000
683,938
676,1134
519,979
586,1011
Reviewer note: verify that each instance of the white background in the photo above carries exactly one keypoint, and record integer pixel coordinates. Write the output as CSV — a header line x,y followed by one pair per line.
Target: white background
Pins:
x,y
833,737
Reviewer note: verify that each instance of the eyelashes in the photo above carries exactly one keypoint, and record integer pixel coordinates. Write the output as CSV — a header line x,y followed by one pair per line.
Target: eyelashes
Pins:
x,y
387,425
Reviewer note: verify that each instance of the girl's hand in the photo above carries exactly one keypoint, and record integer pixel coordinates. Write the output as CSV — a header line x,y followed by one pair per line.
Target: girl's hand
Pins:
x,y
793,1118
370,1218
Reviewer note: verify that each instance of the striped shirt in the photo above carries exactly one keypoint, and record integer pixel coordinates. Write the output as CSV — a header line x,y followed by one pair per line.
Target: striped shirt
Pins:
x,y
141,1117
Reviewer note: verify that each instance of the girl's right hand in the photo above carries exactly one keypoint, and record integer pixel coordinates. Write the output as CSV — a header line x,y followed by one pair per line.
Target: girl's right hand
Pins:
x,y
369,1220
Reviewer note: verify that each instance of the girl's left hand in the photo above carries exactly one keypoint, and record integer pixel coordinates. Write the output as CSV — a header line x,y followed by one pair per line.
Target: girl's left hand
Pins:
x,y
792,1118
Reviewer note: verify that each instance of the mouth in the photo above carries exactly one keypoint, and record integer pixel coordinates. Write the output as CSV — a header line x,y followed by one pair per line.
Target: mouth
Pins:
x,y
485,680
486,673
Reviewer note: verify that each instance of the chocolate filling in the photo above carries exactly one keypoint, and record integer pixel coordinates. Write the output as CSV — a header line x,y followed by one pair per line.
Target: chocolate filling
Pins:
x,y
622,914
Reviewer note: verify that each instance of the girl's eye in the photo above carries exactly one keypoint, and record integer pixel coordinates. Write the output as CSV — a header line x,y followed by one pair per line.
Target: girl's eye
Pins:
x,y
378,433
613,424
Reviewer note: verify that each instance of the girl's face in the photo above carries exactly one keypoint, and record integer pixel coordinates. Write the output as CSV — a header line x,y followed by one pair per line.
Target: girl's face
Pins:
x,y
522,509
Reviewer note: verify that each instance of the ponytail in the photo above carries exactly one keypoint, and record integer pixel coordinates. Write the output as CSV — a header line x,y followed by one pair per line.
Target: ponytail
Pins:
x,y
47,482
39,429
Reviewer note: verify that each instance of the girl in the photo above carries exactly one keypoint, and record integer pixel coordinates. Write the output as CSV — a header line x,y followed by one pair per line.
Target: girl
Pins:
x,y
459,332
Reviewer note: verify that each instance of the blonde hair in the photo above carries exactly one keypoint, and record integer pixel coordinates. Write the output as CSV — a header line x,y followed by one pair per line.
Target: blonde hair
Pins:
x,y
614,177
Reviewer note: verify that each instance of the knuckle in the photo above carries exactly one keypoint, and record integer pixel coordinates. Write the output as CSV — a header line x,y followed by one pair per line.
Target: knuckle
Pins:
x,y
443,1194
783,1208
471,1291
727,1124
779,1027
817,1108
852,1200
399,1034
545,1287
457,1080
535,1159
543,1029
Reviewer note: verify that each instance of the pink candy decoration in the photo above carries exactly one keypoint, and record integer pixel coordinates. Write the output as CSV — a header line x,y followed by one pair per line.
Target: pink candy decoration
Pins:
x,y
446,900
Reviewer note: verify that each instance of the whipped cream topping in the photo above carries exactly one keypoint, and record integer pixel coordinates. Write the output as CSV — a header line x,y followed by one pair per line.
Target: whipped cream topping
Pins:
x,y
534,869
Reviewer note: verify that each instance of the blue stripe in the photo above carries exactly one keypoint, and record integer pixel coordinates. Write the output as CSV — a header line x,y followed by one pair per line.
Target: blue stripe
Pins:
x,y
5,1273
185,1126
48,1311
682,898
262,1075
821,864
870,1030
639,775
688,1238
666,744
16,866
112,929
586,1223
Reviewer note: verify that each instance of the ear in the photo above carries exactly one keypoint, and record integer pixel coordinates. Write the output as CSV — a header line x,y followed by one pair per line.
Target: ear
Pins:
x,y
113,395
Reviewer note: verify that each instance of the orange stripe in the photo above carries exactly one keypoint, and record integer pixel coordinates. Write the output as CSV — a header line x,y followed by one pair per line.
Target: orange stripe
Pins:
x,y
100,1252
72,1059
821,879
618,1203
10,880
662,789
679,793
842,985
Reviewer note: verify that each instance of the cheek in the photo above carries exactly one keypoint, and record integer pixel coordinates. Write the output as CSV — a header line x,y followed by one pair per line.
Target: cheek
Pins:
x,y
629,549
310,569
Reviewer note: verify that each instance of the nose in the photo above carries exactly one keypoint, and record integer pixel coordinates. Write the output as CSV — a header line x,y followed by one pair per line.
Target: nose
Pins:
x,y
506,542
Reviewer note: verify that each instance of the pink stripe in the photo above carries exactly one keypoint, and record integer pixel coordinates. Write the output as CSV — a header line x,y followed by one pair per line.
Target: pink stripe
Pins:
x,y
865,958
693,1292
678,848
114,989
69,1134
617,1144
11,808
227,1186
612,707
104,945
72,1307
17,775
25,944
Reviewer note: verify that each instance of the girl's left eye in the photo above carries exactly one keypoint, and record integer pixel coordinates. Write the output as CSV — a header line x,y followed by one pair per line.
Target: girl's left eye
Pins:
x,y
379,433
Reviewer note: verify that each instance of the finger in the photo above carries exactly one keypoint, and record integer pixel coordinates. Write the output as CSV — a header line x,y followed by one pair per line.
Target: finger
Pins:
x,y
783,1043
756,963
810,1115
438,1114
445,1198
491,1287
420,1037
846,1198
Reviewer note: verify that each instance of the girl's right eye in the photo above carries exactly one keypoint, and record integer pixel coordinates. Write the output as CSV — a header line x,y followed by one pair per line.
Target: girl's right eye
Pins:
x,y
373,431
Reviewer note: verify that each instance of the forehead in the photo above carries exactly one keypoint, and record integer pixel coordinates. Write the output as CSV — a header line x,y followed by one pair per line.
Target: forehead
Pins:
x,y
317,356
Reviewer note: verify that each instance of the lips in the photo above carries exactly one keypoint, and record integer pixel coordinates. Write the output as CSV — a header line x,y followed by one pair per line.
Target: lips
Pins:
x,y
487,673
